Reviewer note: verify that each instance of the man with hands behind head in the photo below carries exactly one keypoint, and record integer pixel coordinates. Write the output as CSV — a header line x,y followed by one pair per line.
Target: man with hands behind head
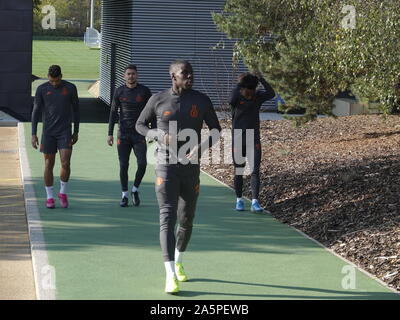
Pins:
x,y
246,102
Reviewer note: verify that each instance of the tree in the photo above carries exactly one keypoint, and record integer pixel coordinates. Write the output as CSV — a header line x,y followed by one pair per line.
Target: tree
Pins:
x,y
313,54
36,4
36,7
73,16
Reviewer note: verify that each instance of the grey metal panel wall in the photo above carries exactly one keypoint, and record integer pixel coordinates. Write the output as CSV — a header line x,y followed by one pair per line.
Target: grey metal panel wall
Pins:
x,y
167,30
117,29
160,31
16,57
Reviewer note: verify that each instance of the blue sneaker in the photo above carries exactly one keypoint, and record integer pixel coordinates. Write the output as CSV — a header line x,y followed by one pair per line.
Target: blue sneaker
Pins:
x,y
255,207
239,205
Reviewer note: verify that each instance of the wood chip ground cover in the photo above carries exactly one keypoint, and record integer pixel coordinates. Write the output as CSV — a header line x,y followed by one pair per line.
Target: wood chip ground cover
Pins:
x,y
338,181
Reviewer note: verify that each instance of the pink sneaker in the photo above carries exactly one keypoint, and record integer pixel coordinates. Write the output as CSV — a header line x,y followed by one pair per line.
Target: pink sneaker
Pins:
x,y
63,200
50,204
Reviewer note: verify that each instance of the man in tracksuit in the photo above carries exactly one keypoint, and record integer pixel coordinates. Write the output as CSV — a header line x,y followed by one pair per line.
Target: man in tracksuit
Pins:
x,y
57,101
180,113
245,102
128,102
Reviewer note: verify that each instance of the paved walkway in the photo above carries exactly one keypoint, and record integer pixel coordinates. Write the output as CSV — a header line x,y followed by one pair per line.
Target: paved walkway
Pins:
x,y
16,275
98,250
6,120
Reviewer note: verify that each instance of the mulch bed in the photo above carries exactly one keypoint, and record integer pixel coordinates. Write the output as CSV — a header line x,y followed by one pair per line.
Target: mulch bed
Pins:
x,y
338,181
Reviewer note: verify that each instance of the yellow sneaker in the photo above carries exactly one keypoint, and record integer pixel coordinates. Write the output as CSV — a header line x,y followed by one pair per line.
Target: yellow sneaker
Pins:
x,y
180,272
171,285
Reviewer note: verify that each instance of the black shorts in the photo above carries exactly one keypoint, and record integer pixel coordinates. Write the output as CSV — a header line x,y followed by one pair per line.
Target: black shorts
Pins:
x,y
51,143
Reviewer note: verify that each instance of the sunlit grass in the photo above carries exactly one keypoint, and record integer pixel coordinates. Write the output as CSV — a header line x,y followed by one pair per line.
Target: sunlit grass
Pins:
x,y
76,60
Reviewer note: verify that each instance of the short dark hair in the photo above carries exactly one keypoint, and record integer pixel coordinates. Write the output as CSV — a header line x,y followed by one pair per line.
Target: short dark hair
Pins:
x,y
131,67
178,62
248,81
54,71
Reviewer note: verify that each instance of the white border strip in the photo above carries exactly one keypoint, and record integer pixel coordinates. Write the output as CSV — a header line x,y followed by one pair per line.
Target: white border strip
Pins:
x,y
320,244
40,261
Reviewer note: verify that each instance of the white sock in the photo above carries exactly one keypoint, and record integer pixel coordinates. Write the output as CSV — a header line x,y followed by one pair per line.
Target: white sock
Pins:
x,y
178,256
239,199
170,268
253,201
63,187
134,189
49,192
125,194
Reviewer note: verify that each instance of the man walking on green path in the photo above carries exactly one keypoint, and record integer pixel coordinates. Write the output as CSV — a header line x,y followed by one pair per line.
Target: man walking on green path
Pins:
x,y
246,102
180,112
127,104
57,101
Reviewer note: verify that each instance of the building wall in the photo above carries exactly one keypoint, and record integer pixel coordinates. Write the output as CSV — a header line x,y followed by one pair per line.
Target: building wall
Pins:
x,y
16,57
151,34
116,34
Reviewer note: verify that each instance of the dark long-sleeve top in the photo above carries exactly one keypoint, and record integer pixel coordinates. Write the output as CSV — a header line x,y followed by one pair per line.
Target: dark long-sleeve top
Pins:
x,y
127,104
189,110
58,106
245,113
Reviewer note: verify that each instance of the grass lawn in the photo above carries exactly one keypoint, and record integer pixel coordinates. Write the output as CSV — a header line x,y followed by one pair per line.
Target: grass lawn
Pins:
x,y
76,60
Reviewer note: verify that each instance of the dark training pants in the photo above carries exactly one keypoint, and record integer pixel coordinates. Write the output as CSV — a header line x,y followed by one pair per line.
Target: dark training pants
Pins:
x,y
125,144
177,188
254,162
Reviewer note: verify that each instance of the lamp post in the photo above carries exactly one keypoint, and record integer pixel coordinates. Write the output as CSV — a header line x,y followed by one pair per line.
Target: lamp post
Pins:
x,y
91,13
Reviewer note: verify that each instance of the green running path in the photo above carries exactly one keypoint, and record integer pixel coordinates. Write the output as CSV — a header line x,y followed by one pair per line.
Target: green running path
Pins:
x,y
102,251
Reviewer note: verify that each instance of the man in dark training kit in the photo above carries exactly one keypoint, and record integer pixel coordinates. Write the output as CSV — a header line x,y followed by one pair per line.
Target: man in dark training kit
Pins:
x,y
127,104
57,101
180,112
245,102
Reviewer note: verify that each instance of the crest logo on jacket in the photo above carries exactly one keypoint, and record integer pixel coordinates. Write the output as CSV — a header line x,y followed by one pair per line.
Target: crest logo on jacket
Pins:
x,y
194,112
167,113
